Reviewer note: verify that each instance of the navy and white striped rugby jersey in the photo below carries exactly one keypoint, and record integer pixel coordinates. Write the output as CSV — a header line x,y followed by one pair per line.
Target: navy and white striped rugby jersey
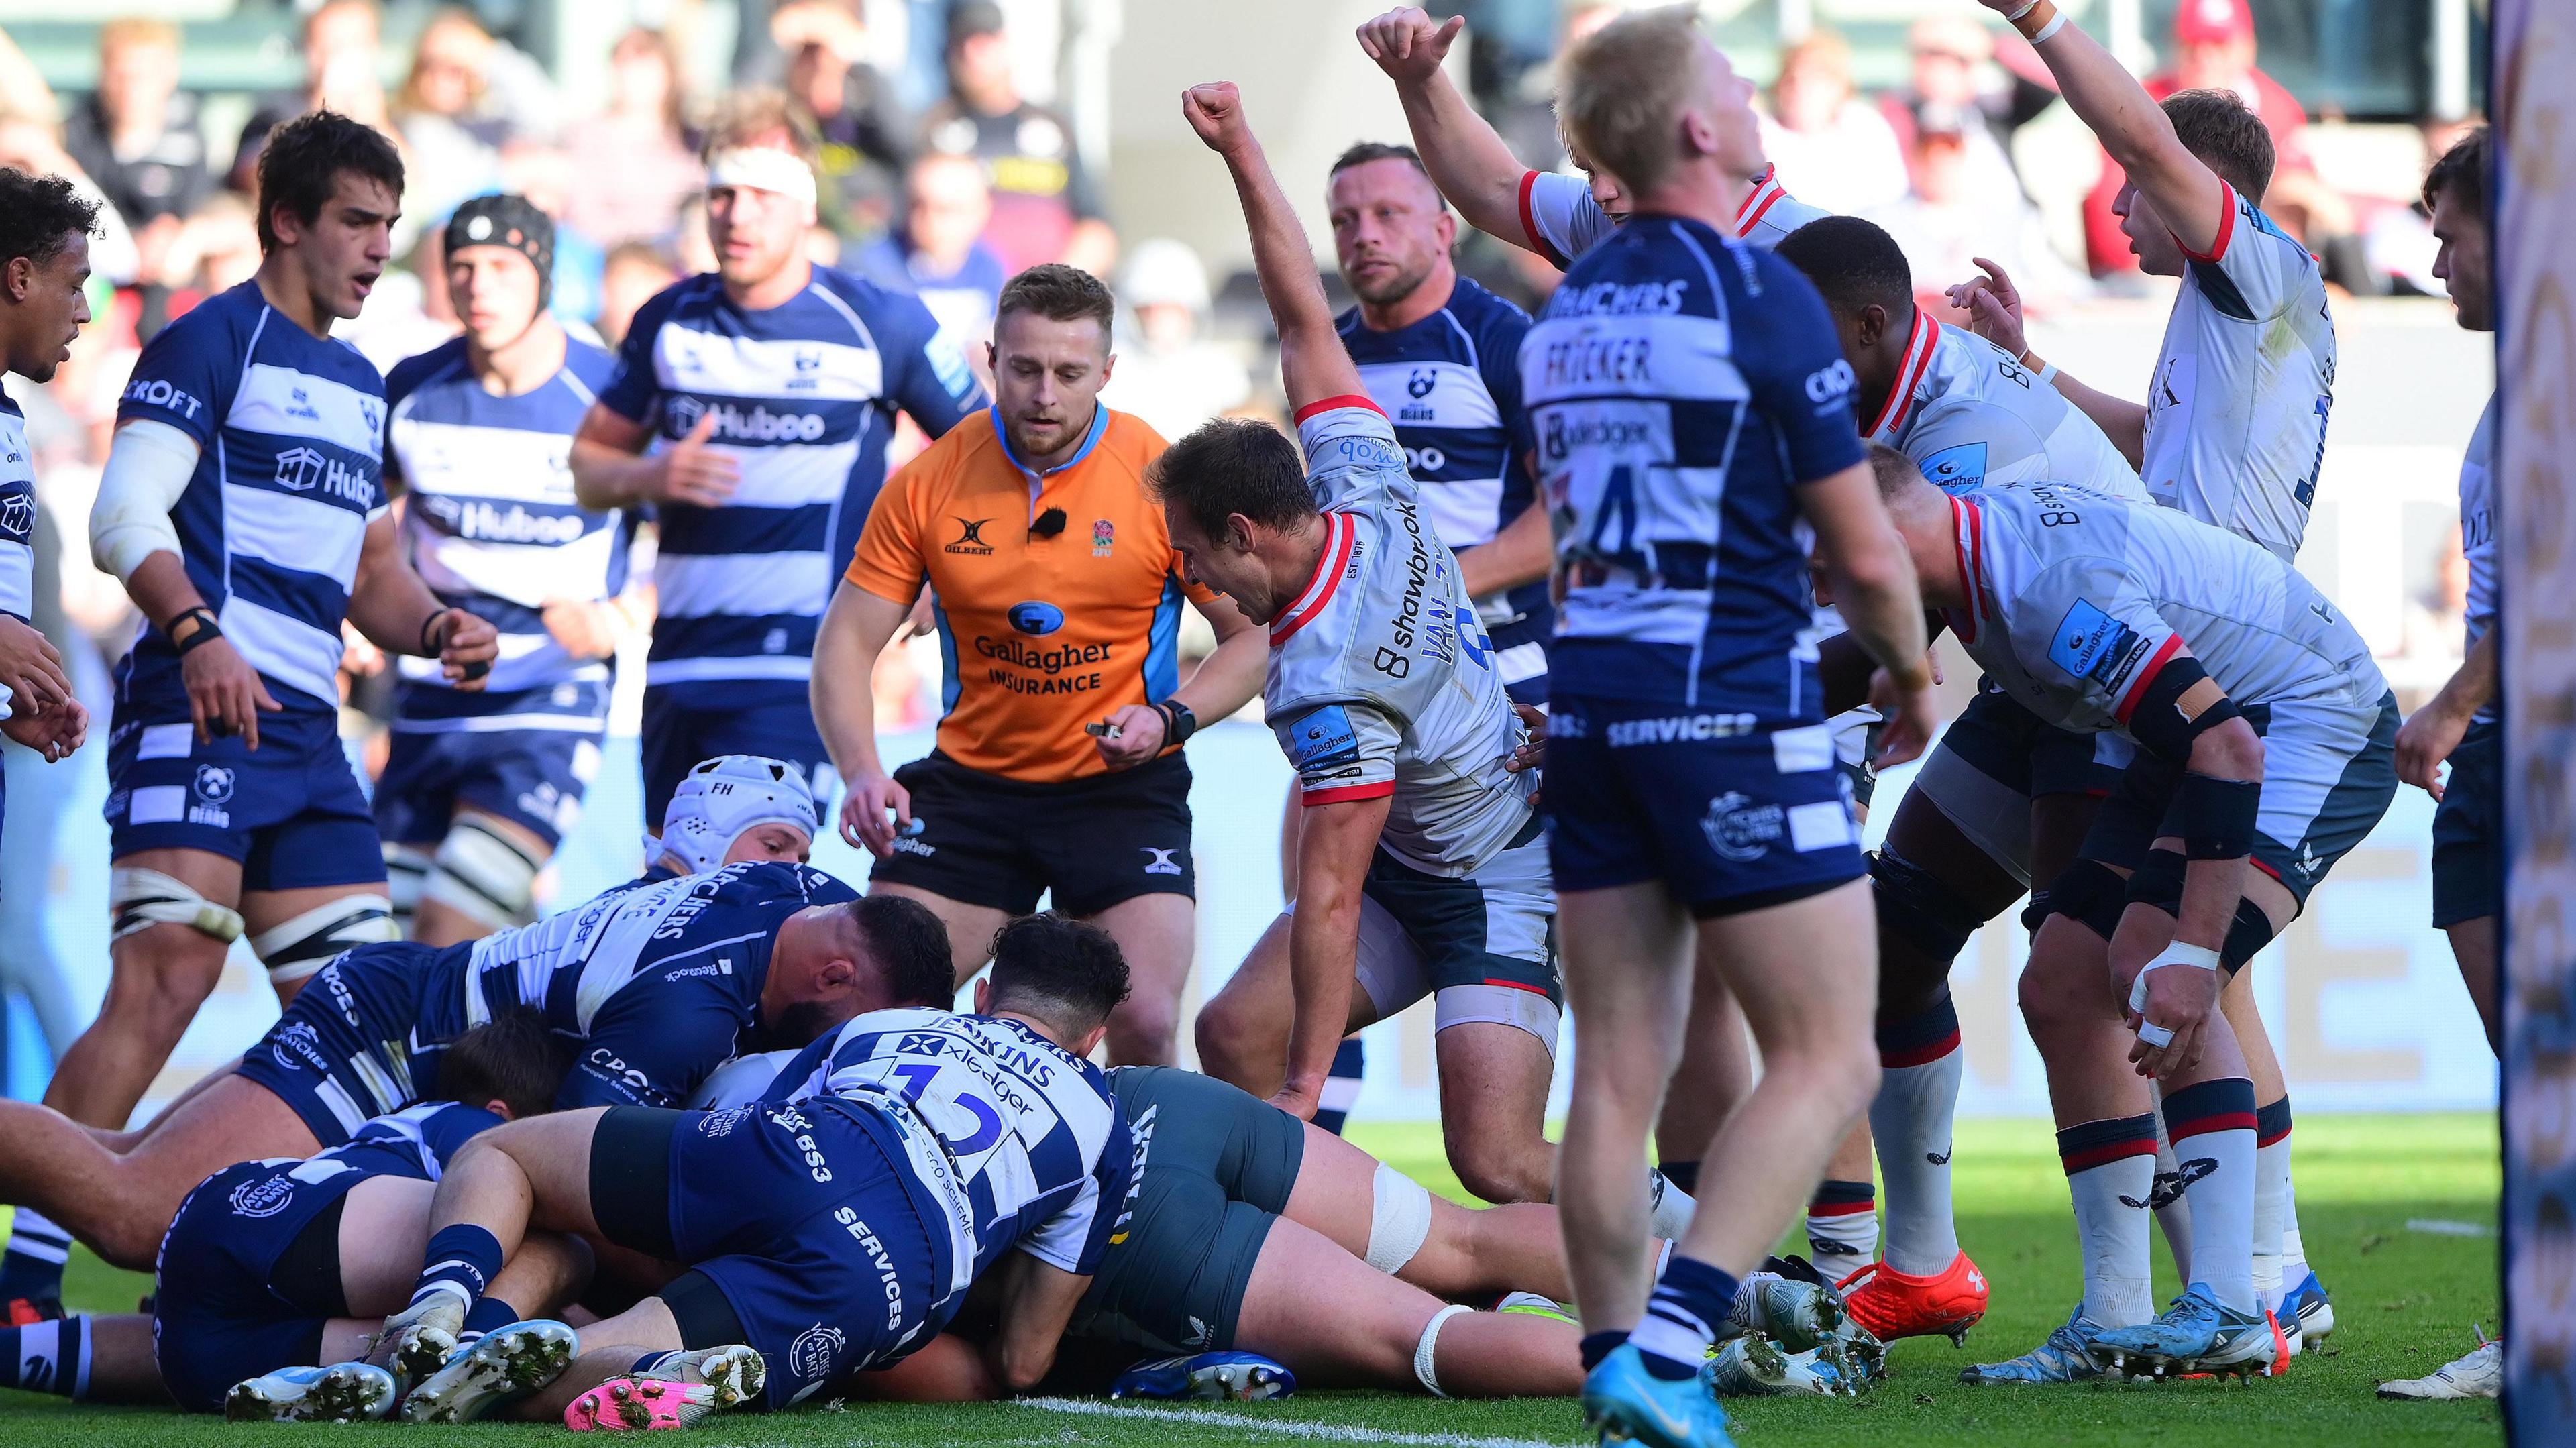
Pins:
x,y
17,521
491,525
1019,1140
804,396
291,426
1681,386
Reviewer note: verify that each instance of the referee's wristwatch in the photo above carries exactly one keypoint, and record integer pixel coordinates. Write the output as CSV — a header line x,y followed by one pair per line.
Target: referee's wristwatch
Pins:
x,y
1178,722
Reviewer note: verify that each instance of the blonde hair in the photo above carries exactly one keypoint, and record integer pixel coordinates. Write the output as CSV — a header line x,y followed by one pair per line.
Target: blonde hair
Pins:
x,y
1625,90
759,116
131,33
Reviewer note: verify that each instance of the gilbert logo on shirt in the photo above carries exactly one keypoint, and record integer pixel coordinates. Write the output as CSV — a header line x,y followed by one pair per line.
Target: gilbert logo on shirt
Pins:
x,y
970,537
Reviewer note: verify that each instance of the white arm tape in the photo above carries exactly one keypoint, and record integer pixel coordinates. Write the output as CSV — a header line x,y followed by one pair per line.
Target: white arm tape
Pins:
x,y
2197,956
148,467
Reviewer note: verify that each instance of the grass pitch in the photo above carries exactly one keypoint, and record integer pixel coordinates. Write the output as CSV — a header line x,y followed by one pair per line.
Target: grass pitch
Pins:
x,y
2404,1296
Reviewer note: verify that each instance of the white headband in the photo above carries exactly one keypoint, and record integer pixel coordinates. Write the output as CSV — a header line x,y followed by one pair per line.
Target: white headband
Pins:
x,y
761,168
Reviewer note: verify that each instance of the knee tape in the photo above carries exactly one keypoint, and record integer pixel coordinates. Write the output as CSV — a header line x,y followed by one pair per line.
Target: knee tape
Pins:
x,y
2157,881
1916,907
306,943
1399,1221
1423,1367
145,898
2089,893
406,870
483,876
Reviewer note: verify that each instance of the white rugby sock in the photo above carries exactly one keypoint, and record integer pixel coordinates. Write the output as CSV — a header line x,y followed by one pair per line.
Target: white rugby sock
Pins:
x,y
2212,1125
2173,1214
1918,1095
2110,1169
2271,1199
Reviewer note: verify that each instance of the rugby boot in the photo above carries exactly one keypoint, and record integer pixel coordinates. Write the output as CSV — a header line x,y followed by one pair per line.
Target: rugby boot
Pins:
x,y
1753,1366
646,1404
28,1311
2313,1311
737,1373
417,1341
1531,1304
503,1366
2069,1356
1625,1403
2197,1334
1893,1304
1798,1316
2478,1375
340,1393
1214,1377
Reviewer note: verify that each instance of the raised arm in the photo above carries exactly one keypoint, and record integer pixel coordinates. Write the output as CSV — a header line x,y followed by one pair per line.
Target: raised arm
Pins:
x,y
2186,194
1466,158
1312,364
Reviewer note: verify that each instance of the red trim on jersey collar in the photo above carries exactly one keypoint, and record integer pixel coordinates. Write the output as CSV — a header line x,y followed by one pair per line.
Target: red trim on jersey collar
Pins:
x,y
1529,222
1766,191
1919,342
1335,403
1339,533
2138,686
2226,227
1968,537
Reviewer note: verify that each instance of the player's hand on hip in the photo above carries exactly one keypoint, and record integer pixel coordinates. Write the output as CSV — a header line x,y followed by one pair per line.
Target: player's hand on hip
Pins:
x,y
467,645
584,629
2179,1000
2426,739
1134,737
1913,715
225,695
1215,111
873,812
31,668
1530,753
693,472
1409,45
1993,306
53,734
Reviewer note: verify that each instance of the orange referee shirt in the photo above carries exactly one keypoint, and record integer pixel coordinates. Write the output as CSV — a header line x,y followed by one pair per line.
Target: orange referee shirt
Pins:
x,y
1039,635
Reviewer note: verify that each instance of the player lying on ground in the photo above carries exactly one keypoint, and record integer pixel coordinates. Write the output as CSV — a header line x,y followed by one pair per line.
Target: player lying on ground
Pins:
x,y
2265,753
834,1231
657,983
274,1266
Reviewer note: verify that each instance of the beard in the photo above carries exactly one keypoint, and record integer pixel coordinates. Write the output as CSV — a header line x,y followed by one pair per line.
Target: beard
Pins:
x,y
799,1024
1394,289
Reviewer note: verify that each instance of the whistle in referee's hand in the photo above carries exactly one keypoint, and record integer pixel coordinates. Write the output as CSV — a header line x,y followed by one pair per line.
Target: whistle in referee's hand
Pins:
x,y
1102,729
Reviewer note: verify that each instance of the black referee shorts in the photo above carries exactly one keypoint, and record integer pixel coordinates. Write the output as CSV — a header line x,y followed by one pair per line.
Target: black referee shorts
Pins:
x,y
981,839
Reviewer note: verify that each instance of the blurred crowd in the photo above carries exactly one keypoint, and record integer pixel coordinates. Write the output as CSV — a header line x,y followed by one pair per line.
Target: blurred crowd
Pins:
x,y
943,177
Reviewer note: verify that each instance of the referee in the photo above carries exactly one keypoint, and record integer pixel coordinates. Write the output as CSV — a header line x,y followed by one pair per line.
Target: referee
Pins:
x,y
1058,593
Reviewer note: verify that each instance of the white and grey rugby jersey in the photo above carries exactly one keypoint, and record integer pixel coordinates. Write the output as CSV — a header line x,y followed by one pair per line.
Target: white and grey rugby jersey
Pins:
x,y
1019,1140
2076,599
2236,415
2477,533
1970,416
1562,221
17,521
1381,680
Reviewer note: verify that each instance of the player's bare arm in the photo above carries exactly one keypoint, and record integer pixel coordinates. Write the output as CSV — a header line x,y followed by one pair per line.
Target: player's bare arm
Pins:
x,y
610,470
1872,580
855,629
1223,682
225,695
1312,364
1466,158
1522,552
2186,194
1994,313
1038,1300
1334,846
2433,731
398,613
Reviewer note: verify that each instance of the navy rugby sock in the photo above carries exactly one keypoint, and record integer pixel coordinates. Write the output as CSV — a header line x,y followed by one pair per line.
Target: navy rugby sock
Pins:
x,y
1691,1299
488,1315
1598,1345
463,1259
33,1265
1341,1086
1683,1174
47,1357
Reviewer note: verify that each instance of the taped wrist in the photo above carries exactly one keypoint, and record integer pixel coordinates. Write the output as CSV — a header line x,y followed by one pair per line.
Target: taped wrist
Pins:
x,y
2218,816
2197,957
2180,704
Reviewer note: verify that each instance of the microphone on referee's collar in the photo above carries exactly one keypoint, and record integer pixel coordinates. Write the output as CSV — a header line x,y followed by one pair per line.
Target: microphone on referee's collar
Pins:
x,y
1049,523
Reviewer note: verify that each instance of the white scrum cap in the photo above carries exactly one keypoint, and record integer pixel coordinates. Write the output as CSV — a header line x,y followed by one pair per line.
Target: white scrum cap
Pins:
x,y
722,797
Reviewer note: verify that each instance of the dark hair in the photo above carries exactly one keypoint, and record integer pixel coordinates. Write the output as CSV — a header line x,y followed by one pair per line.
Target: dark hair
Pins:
x,y
2217,127
1894,472
909,944
1058,293
1065,972
515,1058
1854,263
2462,173
302,161
1233,465
37,213
1363,152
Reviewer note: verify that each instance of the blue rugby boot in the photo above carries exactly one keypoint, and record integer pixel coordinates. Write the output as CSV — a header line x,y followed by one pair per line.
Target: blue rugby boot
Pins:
x,y
1623,1402
1216,1377
2197,1334
2069,1356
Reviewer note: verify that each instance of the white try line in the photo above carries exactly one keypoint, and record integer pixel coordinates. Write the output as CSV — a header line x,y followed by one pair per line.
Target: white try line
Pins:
x,y
1282,1427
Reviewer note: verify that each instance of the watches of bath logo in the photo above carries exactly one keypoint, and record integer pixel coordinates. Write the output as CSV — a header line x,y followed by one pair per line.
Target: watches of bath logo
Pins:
x,y
263,1198
1741,828
811,1355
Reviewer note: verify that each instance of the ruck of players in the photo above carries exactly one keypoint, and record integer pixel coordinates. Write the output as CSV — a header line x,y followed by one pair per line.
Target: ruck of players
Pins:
x,y
1584,634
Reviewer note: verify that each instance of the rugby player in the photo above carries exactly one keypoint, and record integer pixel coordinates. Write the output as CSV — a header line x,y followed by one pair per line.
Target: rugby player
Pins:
x,y
830,1229
2461,723
2002,799
1695,424
761,397
273,1266
731,810
2266,752
242,507
1058,765
656,984
1420,860
45,229
480,787
2233,432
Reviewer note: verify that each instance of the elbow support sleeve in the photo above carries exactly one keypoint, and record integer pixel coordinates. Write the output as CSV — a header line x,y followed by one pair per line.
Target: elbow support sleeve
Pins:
x,y
148,467
2180,704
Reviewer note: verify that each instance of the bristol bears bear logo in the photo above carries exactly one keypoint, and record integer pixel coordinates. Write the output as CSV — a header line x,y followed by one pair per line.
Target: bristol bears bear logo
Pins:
x,y
263,1198
214,783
